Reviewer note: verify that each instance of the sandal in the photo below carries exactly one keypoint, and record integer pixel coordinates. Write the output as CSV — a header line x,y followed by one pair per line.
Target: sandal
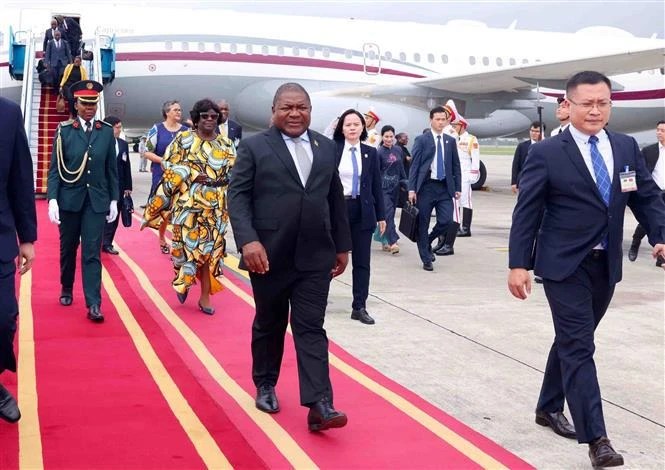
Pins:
x,y
165,248
394,249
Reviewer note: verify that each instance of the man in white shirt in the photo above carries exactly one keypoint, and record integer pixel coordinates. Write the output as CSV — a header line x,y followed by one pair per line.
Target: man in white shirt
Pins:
x,y
563,115
654,155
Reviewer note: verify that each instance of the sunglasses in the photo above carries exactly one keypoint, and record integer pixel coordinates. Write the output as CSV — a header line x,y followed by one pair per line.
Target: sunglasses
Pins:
x,y
206,116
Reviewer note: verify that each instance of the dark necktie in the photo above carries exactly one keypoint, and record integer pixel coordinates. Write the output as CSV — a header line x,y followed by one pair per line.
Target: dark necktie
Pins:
x,y
440,173
88,129
602,175
560,130
354,178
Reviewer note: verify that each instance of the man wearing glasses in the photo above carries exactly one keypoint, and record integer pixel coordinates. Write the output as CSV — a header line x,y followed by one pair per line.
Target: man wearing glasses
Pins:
x,y
581,180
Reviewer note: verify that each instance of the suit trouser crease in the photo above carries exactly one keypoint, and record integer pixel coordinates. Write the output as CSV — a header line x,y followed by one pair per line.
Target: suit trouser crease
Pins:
x,y
578,303
361,243
87,227
433,194
8,315
307,294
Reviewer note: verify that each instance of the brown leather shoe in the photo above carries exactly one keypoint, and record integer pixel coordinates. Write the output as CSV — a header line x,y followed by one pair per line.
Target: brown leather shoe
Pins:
x,y
602,454
558,422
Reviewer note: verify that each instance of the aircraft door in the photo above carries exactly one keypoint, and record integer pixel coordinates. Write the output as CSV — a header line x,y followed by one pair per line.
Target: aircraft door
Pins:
x,y
371,58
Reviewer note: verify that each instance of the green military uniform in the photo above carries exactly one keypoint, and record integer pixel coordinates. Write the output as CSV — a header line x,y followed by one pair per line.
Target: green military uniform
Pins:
x,y
83,178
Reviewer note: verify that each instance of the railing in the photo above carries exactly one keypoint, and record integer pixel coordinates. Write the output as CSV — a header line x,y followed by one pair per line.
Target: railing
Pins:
x,y
96,73
28,82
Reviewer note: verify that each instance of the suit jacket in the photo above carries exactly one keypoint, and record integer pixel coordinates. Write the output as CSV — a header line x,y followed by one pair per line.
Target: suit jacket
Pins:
x,y
650,154
371,196
300,227
48,35
17,185
235,131
57,55
100,177
423,151
124,168
518,160
575,219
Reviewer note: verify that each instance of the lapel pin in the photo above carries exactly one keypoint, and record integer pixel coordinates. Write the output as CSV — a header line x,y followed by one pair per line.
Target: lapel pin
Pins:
x,y
316,142
365,155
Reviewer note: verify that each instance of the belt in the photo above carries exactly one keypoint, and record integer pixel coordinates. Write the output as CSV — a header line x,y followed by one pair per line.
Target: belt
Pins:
x,y
206,181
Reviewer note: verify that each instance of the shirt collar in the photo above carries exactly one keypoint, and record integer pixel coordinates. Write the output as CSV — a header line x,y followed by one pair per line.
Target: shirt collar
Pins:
x,y
304,136
92,121
583,138
435,134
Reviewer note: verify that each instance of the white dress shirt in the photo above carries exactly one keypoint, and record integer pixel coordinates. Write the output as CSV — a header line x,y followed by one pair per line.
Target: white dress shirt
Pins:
x,y
346,167
433,175
290,144
558,129
658,173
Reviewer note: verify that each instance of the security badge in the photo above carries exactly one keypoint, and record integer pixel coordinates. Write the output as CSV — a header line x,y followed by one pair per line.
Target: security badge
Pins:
x,y
628,180
124,156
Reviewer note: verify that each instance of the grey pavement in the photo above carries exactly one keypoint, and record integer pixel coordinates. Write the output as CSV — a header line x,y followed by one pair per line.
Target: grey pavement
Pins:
x,y
457,338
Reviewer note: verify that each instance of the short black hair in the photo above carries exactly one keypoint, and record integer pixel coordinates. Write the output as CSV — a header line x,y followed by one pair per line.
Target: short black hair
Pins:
x,y
201,106
560,99
438,109
338,135
290,86
587,77
535,124
387,128
660,122
113,120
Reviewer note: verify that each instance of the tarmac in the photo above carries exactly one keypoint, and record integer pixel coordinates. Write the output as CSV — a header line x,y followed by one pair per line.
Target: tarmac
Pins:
x,y
457,337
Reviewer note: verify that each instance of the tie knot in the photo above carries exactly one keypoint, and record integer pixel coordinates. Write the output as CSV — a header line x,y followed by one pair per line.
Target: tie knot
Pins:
x,y
295,140
353,149
438,137
593,140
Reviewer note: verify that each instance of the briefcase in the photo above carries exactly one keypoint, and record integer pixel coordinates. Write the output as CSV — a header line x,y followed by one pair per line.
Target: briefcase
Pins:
x,y
127,211
408,222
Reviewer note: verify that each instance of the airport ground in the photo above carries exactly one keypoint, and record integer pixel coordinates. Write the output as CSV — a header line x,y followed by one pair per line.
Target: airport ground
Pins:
x,y
457,338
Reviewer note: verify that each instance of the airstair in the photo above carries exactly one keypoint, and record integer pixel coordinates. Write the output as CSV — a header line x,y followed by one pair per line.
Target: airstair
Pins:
x,y
38,102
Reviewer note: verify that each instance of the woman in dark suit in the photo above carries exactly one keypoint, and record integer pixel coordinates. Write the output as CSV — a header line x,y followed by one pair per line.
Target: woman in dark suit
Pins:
x,y
358,166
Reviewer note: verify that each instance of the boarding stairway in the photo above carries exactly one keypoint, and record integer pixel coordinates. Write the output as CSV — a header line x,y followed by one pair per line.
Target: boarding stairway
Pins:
x,y
38,102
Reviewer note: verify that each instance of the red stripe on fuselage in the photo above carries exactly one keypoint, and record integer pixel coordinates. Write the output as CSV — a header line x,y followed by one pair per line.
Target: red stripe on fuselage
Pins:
x,y
636,95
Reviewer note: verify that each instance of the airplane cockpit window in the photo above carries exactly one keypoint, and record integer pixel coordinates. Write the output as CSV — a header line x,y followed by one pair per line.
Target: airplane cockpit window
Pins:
x,y
310,51
296,51
472,60
265,50
168,45
416,57
402,56
233,48
184,46
388,55
326,52
444,58
499,61
202,47
249,49
486,61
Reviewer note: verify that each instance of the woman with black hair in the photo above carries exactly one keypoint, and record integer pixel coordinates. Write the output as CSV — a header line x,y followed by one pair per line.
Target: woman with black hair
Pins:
x,y
358,167
197,166
393,175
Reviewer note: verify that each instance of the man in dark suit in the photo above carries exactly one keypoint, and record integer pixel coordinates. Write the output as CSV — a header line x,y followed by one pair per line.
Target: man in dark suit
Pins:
x,y
228,127
49,34
124,182
289,220
434,180
18,220
581,181
654,156
520,154
57,56
82,190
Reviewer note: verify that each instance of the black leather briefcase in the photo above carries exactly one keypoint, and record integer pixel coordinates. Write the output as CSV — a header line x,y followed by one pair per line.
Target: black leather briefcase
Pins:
x,y
127,211
408,222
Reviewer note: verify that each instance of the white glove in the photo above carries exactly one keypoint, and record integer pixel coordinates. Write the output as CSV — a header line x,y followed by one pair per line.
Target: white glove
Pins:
x,y
54,211
113,211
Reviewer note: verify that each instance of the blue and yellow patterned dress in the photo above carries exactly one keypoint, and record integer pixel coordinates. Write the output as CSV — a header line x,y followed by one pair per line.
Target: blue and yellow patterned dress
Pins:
x,y
197,207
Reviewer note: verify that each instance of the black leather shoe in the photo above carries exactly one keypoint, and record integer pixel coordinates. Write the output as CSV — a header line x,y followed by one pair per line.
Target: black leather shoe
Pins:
x,y
428,267
602,454
440,242
659,261
95,314
463,232
322,415
8,407
110,250
362,315
558,422
445,250
66,297
538,279
266,399
633,250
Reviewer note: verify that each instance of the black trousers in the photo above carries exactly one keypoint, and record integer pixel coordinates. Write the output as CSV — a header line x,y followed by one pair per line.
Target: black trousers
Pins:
x,y
111,227
87,227
307,295
578,303
361,245
8,315
433,194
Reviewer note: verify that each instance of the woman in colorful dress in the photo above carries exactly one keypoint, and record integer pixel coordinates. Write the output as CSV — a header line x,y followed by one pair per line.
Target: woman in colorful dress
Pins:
x,y
197,167
393,174
159,138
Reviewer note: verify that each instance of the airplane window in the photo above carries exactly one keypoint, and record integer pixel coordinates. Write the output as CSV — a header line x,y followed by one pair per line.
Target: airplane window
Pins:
x,y
444,58
249,49
265,50
430,58
233,48
310,51
499,61
512,61
486,61
402,56
280,50
202,47
217,47
168,45
472,60
326,52
296,51
372,55
184,46
388,55
525,61
348,54
416,57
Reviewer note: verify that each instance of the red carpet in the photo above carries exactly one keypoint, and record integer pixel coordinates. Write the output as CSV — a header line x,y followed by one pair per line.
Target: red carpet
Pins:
x,y
100,407
49,119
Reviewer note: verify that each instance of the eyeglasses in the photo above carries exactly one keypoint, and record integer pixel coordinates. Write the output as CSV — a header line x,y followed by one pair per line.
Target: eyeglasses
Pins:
x,y
206,116
588,106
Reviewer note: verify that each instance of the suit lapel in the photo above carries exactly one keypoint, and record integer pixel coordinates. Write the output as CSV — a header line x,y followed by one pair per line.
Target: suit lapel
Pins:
x,y
577,159
316,157
364,158
275,140
93,135
618,168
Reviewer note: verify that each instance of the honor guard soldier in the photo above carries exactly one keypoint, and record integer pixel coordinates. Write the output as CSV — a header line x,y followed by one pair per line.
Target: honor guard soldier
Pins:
x,y
83,194
373,135
469,157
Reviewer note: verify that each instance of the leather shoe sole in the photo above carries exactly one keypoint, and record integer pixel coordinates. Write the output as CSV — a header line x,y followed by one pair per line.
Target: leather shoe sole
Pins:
x,y
336,422
544,420
111,251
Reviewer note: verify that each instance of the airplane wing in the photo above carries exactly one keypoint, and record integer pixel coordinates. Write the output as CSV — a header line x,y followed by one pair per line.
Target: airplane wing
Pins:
x,y
550,75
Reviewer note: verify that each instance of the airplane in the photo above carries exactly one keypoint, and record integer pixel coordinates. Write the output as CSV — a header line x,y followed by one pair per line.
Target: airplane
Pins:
x,y
498,78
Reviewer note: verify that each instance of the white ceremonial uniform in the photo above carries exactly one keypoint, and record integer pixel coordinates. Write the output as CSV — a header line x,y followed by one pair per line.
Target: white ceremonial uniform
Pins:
x,y
469,158
373,138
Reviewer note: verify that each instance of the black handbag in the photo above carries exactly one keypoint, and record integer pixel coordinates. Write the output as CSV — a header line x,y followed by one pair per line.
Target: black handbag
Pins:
x,y
408,222
127,211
